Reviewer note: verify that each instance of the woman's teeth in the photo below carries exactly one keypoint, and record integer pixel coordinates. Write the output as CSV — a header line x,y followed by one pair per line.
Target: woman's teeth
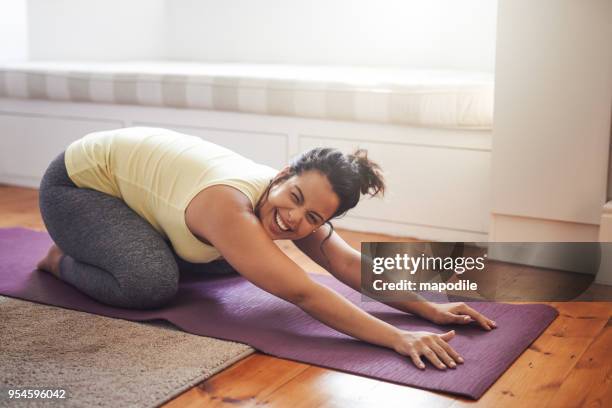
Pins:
x,y
280,223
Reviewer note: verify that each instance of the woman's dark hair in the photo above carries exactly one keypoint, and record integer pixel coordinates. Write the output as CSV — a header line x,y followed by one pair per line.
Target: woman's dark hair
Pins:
x,y
350,175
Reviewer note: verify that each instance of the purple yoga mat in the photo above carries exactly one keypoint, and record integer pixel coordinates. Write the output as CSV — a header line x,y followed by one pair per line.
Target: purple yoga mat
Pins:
x,y
231,308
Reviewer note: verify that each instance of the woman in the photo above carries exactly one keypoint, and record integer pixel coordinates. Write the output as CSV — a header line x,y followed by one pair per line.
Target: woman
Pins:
x,y
128,208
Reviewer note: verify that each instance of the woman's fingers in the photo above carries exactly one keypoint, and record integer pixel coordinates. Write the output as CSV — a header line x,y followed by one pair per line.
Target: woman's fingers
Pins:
x,y
431,346
457,318
433,358
451,351
448,335
485,323
443,355
416,359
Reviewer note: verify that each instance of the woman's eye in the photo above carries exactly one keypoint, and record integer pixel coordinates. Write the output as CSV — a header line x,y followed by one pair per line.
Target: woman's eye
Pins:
x,y
312,219
295,197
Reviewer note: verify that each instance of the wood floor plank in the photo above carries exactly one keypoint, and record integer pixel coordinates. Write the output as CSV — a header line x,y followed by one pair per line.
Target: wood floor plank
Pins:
x,y
336,389
333,389
590,383
393,395
244,383
580,319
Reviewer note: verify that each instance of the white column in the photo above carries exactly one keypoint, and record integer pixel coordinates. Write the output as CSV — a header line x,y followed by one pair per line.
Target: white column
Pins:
x,y
551,132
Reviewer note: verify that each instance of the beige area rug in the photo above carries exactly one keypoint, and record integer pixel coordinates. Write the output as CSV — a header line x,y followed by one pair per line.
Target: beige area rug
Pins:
x,y
101,361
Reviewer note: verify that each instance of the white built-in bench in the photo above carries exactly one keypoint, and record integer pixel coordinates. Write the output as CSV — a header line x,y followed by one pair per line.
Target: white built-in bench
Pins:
x,y
430,130
439,99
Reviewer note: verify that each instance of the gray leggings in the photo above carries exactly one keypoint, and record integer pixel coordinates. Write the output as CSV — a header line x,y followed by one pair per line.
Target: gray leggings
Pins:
x,y
111,253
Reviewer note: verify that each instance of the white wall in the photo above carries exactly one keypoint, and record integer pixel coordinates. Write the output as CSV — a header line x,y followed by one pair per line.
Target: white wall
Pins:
x,y
13,31
96,30
551,133
443,34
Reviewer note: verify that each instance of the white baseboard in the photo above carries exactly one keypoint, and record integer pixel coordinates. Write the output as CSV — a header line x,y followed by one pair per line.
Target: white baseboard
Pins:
x,y
405,229
510,228
19,180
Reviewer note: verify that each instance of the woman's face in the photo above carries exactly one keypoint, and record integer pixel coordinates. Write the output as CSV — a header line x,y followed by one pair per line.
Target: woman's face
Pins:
x,y
297,206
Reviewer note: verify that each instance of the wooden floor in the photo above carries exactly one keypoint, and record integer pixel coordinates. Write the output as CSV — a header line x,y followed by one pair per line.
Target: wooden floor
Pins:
x,y
569,365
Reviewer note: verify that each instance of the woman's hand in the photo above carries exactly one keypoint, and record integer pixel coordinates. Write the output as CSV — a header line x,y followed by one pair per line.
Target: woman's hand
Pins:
x,y
432,346
457,313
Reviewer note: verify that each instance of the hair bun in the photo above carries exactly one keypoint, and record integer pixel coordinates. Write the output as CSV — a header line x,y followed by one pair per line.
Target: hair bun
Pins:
x,y
370,173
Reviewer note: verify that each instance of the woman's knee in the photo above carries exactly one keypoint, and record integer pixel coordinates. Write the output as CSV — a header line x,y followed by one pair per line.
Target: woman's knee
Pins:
x,y
155,290
149,298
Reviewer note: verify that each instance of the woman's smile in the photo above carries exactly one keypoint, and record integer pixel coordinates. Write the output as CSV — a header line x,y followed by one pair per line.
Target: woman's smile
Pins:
x,y
277,226
279,221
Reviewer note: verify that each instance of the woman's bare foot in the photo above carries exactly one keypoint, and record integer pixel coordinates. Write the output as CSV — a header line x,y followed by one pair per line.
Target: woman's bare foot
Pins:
x,y
50,263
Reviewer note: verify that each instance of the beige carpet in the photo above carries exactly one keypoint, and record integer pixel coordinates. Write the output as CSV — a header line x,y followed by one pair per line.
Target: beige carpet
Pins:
x,y
101,361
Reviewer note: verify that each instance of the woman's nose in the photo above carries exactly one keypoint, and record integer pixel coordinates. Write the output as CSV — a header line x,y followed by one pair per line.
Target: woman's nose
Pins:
x,y
294,217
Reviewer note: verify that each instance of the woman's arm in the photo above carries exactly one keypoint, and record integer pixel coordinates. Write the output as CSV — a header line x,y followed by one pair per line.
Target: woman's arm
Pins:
x,y
229,224
344,263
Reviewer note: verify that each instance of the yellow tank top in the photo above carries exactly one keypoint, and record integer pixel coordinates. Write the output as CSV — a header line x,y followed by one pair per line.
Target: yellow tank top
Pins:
x,y
157,172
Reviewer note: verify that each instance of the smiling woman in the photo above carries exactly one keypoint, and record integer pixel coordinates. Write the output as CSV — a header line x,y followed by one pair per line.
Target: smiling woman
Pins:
x,y
319,185
127,207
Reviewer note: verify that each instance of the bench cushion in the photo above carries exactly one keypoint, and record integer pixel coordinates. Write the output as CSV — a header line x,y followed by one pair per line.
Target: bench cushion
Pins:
x,y
440,99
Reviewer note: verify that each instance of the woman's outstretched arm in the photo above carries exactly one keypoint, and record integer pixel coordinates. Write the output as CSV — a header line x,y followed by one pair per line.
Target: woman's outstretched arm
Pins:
x,y
229,224
344,262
